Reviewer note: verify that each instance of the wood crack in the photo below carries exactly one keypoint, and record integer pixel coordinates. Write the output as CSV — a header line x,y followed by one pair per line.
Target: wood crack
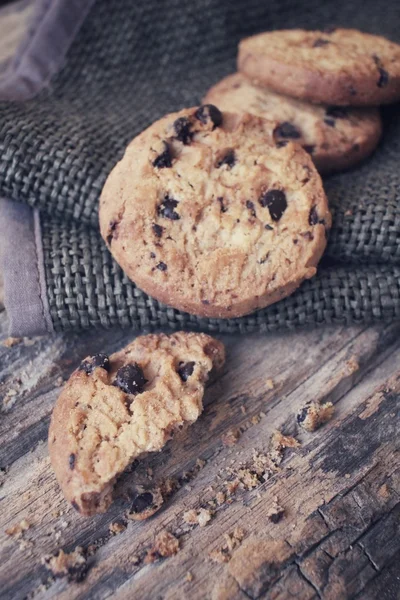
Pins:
x,y
308,580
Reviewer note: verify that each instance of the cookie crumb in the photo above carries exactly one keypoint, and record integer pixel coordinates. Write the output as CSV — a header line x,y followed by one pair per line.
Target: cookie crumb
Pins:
x,y
313,415
200,517
18,529
200,463
231,437
189,577
220,498
269,384
165,545
135,560
59,381
243,409
232,486
248,479
279,443
352,365
232,541
71,565
11,341
116,527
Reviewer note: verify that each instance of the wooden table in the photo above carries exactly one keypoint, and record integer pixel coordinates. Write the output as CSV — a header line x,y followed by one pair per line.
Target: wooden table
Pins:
x,y
338,537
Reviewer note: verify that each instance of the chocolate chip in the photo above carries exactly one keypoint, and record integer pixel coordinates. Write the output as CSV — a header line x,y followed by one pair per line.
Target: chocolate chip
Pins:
x,y
166,208
209,111
221,202
268,227
71,461
112,227
229,160
383,80
162,266
250,206
75,506
152,255
185,370
320,42
141,502
313,218
182,128
301,416
77,573
337,112
93,362
282,144
157,229
329,121
276,202
163,160
264,259
383,74
309,148
276,517
130,379
205,302
286,130
307,235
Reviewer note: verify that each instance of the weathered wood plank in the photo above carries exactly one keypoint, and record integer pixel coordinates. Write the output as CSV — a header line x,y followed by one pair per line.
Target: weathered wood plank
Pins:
x,y
30,489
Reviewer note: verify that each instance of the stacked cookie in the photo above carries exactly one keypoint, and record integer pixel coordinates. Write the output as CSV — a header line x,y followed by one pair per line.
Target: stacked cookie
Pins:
x,y
322,88
219,210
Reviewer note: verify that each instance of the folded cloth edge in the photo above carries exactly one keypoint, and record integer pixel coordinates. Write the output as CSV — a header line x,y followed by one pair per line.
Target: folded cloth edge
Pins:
x,y
22,265
53,27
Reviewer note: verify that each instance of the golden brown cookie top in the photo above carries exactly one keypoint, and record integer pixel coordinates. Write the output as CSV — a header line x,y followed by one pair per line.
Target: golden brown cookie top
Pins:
x,y
339,66
335,137
205,212
114,409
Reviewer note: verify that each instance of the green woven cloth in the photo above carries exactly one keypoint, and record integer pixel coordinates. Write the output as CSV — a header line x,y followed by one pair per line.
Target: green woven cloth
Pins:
x,y
133,62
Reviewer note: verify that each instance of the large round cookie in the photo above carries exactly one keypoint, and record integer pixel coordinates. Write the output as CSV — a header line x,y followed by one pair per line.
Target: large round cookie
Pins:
x,y
207,214
340,66
337,138
115,409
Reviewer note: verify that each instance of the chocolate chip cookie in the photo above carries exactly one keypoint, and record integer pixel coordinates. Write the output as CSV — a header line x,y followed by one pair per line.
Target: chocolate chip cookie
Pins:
x,y
208,213
115,409
338,66
336,137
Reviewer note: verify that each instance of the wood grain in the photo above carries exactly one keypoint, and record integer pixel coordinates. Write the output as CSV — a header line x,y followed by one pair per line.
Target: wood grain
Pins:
x,y
336,515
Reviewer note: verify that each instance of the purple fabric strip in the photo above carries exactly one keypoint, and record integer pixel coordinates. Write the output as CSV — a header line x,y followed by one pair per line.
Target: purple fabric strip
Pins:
x,y
22,265
42,52
40,55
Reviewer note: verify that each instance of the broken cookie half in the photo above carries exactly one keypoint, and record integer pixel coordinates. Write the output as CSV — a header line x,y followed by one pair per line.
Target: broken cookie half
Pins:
x,y
115,409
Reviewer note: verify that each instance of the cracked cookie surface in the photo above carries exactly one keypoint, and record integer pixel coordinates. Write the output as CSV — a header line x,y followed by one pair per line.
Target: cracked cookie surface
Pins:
x,y
337,66
124,407
336,138
207,213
